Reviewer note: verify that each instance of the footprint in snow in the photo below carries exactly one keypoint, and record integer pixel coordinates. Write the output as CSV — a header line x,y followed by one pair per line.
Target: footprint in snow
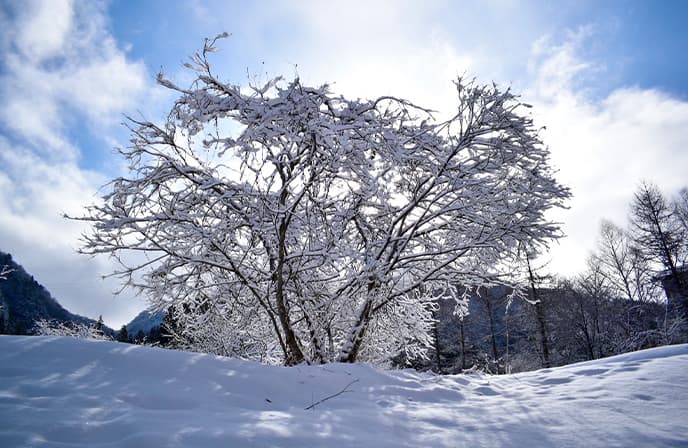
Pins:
x,y
484,390
590,372
557,380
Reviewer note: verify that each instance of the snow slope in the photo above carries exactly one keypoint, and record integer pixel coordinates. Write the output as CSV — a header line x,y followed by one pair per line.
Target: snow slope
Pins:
x,y
65,392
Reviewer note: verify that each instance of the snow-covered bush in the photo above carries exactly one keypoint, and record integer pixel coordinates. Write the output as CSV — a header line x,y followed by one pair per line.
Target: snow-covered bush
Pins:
x,y
72,329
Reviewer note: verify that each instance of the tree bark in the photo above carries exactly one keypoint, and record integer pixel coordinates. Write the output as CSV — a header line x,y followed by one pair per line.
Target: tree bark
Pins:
x,y
294,355
540,317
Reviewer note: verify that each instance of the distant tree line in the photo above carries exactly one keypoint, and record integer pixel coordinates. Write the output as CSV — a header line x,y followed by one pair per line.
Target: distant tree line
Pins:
x,y
631,296
572,321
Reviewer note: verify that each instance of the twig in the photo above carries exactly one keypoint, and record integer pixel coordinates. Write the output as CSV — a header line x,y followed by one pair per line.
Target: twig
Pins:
x,y
333,395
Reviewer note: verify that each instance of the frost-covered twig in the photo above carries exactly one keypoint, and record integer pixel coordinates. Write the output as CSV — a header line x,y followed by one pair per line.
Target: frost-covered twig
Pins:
x,y
329,397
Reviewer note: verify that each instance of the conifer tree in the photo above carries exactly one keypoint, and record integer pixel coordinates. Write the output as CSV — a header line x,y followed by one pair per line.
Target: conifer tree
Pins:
x,y
123,335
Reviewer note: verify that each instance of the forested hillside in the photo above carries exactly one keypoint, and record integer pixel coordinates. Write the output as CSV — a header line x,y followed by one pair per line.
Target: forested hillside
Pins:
x,y
24,301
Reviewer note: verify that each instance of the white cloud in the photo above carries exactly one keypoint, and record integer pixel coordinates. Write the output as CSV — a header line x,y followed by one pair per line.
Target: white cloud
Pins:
x,y
603,146
61,70
371,49
46,26
556,66
58,55
104,89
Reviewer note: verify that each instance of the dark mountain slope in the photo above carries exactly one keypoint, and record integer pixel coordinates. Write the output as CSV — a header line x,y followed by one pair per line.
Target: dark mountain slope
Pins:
x,y
23,301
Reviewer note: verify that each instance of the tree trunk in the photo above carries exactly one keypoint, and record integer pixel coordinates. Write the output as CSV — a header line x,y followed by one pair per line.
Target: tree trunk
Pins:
x,y
350,352
436,337
544,344
463,345
294,355
540,317
493,336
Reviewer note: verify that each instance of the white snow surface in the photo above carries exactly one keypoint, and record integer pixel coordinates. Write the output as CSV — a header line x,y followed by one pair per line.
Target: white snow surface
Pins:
x,y
64,392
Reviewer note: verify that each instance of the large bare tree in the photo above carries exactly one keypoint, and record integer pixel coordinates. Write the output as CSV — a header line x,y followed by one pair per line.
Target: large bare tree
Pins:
x,y
291,224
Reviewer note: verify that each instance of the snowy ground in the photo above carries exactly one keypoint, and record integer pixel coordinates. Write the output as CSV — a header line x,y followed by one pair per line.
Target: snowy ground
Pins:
x,y
68,392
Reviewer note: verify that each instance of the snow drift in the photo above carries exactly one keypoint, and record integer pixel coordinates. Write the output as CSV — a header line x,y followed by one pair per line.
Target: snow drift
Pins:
x,y
66,392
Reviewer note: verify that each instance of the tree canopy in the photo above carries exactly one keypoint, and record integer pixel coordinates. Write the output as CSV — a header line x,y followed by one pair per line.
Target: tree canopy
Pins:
x,y
284,223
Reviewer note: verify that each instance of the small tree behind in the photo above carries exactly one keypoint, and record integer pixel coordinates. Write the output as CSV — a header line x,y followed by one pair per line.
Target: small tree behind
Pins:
x,y
659,234
680,205
656,229
624,265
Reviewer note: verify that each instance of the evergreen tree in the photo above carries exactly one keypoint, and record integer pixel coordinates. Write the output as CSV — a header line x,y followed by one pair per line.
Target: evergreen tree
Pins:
x,y
98,326
123,335
155,335
659,234
657,230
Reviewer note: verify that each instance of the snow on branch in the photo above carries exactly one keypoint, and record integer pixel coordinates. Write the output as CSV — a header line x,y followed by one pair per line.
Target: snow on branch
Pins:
x,y
289,223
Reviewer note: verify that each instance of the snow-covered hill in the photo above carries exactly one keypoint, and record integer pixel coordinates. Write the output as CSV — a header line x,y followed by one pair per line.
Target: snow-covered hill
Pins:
x,y
66,392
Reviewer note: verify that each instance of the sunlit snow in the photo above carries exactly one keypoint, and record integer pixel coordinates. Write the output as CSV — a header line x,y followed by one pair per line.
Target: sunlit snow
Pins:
x,y
66,392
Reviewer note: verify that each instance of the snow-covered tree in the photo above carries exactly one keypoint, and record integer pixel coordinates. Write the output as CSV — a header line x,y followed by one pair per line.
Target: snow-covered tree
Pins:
x,y
304,226
99,323
46,327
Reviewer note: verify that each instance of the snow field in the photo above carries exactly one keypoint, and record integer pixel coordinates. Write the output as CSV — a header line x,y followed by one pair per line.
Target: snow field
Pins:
x,y
63,392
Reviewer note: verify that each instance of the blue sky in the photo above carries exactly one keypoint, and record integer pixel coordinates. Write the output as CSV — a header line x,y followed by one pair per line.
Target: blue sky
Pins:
x,y
607,79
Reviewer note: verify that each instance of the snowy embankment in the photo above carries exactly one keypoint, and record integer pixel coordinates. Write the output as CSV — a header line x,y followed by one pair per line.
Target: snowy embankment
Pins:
x,y
67,392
